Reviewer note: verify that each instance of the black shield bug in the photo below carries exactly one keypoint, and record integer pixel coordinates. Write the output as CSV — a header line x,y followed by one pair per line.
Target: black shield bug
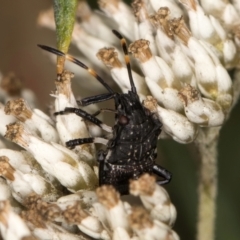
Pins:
x,y
132,150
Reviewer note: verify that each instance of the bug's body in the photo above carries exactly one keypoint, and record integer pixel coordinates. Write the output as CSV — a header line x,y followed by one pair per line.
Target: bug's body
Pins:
x,y
132,150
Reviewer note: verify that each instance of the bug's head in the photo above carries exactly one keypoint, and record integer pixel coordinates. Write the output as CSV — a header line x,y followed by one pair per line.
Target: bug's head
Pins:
x,y
130,108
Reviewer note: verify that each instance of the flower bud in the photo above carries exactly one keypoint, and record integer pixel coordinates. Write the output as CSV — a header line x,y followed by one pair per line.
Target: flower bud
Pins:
x,y
154,198
182,67
52,160
176,11
146,228
5,120
230,15
213,7
110,199
202,111
164,37
36,124
70,126
122,15
144,27
119,73
174,124
93,24
84,197
212,78
11,225
200,24
86,223
24,184
158,76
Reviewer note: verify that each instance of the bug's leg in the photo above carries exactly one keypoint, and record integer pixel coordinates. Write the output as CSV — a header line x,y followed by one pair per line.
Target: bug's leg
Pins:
x,y
162,172
101,171
86,116
96,99
104,110
79,141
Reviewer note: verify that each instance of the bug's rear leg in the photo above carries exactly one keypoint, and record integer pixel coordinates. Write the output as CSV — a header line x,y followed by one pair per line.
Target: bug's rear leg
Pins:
x,y
162,172
86,116
79,141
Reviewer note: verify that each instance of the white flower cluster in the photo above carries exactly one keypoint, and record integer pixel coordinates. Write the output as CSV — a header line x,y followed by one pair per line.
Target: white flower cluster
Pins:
x,y
35,183
184,79
184,63
99,215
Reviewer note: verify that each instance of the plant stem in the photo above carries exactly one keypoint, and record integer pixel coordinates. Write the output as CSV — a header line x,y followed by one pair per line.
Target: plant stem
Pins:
x,y
64,14
207,145
207,142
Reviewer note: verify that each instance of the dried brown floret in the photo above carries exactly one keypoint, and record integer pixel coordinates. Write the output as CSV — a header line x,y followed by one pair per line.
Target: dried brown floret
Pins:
x,y
19,109
188,94
108,196
140,49
150,103
4,209
74,214
15,132
146,185
39,212
63,83
178,27
139,10
109,57
161,19
140,218
6,170
11,84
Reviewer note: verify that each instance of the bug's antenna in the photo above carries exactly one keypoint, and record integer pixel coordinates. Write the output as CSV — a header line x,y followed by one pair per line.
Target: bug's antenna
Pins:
x,y
79,63
127,60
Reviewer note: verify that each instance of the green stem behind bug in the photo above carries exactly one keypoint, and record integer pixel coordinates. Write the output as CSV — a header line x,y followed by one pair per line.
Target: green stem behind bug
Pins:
x,y
64,13
207,141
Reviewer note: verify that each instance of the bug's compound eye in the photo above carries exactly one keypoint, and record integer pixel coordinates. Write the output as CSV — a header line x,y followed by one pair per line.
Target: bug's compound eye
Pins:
x,y
123,120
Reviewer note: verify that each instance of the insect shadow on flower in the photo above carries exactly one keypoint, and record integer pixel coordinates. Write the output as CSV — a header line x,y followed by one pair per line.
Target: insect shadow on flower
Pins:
x,y
132,150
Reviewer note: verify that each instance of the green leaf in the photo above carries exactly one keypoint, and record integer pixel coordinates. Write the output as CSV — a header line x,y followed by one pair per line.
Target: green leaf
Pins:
x,y
64,13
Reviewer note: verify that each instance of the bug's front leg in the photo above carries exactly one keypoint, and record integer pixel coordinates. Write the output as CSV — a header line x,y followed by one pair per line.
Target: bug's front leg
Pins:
x,y
85,116
96,99
162,172
79,141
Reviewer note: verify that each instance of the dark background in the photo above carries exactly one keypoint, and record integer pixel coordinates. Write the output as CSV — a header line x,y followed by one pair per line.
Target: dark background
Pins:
x,y
19,53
